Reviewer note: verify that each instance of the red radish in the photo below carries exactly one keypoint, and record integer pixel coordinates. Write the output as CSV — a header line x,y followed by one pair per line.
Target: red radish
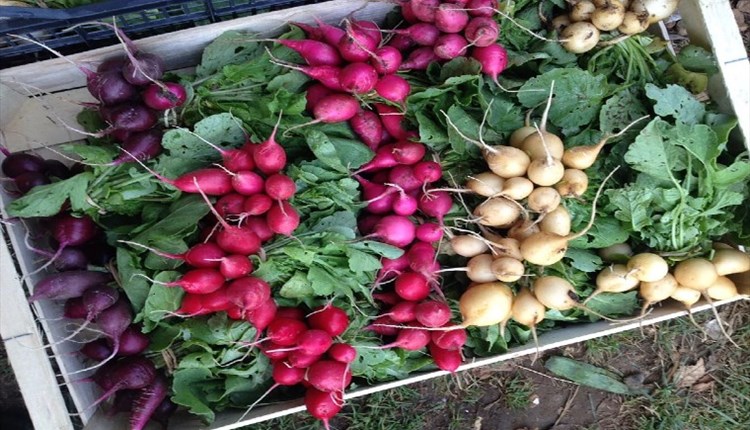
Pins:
x,y
392,267
290,312
235,266
285,331
259,226
323,405
435,204
493,59
148,401
326,75
247,183
234,240
302,360
282,218
482,31
412,286
384,326
283,374
482,7
192,304
248,293
406,152
132,342
392,121
328,375
401,43
419,59
395,230
423,34
168,95
313,342
342,352
430,313
212,180
450,339
330,33
197,281
235,160
314,52
214,302
315,93
421,257
230,204
280,187
428,171
424,10
269,156
429,232
262,316
393,88
387,60
389,298
450,46
403,312
130,373
203,255
383,158
66,285
273,351
451,18
366,124
330,319
358,78
448,360
410,339
257,204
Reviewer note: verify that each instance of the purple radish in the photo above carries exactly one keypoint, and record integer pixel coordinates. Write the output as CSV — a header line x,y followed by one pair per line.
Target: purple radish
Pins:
x,y
110,87
25,182
74,308
161,97
66,285
19,163
143,146
56,169
132,373
96,350
115,63
132,342
148,401
132,117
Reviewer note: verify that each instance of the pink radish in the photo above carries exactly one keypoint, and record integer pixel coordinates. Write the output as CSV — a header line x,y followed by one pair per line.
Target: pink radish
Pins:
x,y
280,187
366,124
406,152
248,293
330,319
404,204
369,28
450,46
235,266
436,204
311,31
493,59
403,176
326,75
387,60
419,59
356,45
230,204
482,31
428,171
392,120
247,183
393,88
257,204
203,255
358,78
451,18
401,43
313,342
383,159
328,375
403,312
410,339
424,10
165,96
430,313
342,352
482,7
423,34
314,52
315,93
323,405
408,13
259,226
429,232
395,230
282,218
331,34
197,281
269,156
285,331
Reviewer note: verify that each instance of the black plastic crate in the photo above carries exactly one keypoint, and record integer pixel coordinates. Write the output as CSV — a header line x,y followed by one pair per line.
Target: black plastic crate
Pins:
x,y
138,18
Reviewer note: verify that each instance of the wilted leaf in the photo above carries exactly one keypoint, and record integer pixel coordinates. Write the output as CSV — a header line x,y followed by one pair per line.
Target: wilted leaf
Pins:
x,y
686,376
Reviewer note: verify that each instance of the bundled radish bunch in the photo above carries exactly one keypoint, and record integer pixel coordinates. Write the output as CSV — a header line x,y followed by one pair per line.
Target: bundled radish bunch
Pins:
x,y
582,26
303,350
29,170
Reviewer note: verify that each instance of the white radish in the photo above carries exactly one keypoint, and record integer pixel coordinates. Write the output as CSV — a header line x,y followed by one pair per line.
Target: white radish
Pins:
x,y
507,161
486,184
608,15
574,183
486,304
497,212
584,156
695,273
468,245
656,291
507,269
557,221
722,289
580,37
648,267
529,311
517,188
543,200
614,279
730,261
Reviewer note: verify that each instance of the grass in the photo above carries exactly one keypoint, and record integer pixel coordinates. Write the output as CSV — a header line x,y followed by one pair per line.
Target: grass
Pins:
x,y
518,391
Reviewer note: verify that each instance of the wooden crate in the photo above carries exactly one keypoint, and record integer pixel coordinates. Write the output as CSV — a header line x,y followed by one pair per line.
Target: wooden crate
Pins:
x,y
27,124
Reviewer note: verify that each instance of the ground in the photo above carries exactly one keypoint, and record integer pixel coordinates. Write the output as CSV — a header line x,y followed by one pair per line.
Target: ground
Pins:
x,y
693,381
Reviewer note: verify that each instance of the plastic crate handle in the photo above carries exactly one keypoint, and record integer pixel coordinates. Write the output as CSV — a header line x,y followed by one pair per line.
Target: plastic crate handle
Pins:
x,y
116,7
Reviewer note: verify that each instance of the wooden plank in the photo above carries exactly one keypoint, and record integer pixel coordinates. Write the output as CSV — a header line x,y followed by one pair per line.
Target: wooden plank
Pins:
x,y
23,344
711,24
183,48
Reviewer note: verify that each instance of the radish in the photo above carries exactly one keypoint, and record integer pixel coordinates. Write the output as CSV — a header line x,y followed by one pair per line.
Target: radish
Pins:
x,y
482,7
148,401
393,88
311,31
329,318
358,78
257,204
262,316
326,75
435,204
314,94
113,322
356,45
407,13
259,226
202,255
342,353
280,187
403,312
168,95
283,219
395,230
482,31
18,163
430,313
419,59
143,146
315,53
410,339
283,374
370,28
26,181
313,342
66,285
425,10
301,360
131,373
412,286
402,178
235,266
445,359
451,18
401,43
248,293
290,312
196,281
132,342
486,304
366,124
383,160
406,152
389,298
285,331
97,349
230,204
387,60
451,339
74,308
323,405
329,376
269,156
492,58
429,232
383,325
428,171
422,33
234,160
331,34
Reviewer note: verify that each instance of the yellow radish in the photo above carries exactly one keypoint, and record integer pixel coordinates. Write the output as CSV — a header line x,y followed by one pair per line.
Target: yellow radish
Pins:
x,y
574,183
686,296
557,293
580,37
543,200
486,304
656,291
730,261
486,184
560,22
617,253
695,273
507,161
529,311
497,212
557,222
545,171
543,144
722,289
479,268
648,267
613,279
468,245
582,10
522,229
633,23
504,246
507,269
584,156
608,15
517,188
